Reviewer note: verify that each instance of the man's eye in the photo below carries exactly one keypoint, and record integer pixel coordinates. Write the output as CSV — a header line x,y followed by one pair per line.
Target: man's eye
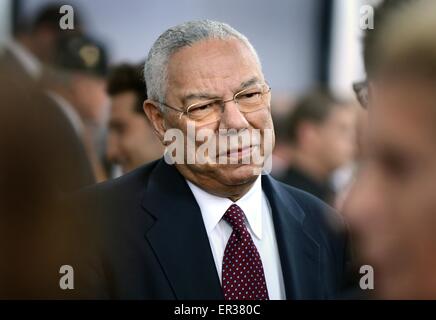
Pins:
x,y
250,95
201,108
117,128
397,166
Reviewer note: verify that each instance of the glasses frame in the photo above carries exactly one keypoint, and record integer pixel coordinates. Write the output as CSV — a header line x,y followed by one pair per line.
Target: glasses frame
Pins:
x,y
222,101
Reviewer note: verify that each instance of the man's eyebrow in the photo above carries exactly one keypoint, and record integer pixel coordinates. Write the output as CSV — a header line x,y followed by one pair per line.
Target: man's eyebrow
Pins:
x,y
199,95
208,96
248,83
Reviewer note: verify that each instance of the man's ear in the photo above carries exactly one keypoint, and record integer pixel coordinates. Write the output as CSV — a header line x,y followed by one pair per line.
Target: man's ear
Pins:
x,y
155,116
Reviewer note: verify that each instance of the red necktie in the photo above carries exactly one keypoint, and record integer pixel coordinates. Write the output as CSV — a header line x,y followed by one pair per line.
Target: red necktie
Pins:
x,y
242,273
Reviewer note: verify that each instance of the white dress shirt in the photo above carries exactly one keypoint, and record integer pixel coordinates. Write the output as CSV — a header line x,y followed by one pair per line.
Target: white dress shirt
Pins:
x,y
259,223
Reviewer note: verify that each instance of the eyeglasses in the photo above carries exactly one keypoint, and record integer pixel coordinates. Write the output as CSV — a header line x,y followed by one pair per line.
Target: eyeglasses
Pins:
x,y
248,100
361,91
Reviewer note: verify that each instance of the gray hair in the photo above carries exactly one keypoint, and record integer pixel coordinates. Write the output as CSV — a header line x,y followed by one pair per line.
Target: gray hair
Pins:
x,y
175,38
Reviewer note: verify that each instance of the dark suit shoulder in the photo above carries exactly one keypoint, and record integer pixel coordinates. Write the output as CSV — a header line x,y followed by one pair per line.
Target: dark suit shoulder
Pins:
x,y
108,204
314,208
321,222
128,185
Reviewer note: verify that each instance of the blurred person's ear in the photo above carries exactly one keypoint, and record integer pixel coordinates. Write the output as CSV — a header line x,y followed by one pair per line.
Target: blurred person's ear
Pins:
x,y
156,118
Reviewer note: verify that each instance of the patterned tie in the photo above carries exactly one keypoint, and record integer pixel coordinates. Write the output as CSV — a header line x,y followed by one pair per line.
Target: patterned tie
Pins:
x,y
242,274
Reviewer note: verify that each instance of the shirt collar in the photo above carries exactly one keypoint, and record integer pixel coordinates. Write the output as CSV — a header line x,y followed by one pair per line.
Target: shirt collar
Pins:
x,y
213,207
69,111
29,62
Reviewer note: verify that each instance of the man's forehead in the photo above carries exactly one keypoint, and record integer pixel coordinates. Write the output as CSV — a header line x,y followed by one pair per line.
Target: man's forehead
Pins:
x,y
211,49
211,63
405,126
123,103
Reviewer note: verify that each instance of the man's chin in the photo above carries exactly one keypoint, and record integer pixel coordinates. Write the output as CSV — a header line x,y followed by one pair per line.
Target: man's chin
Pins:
x,y
238,174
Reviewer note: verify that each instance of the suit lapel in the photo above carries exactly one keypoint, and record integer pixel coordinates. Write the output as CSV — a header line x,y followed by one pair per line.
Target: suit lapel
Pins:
x,y
299,252
178,236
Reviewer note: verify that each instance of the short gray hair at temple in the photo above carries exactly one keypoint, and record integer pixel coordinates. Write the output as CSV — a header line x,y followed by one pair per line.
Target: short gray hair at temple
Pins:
x,y
175,38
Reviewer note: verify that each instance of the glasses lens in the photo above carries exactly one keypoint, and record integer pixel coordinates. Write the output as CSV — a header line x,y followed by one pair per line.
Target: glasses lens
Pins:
x,y
253,99
248,100
206,112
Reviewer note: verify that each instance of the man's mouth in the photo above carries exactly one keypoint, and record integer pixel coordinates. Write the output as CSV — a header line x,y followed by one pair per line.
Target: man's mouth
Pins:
x,y
241,152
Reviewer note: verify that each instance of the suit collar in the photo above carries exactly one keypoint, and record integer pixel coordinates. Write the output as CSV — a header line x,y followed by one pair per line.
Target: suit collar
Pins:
x,y
299,252
178,237
27,60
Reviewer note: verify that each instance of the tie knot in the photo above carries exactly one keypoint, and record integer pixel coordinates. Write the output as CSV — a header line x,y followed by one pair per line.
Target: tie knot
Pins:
x,y
235,217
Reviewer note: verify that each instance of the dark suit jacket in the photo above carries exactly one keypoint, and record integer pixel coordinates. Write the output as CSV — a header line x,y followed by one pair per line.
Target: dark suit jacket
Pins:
x,y
9,64
153,243
41,160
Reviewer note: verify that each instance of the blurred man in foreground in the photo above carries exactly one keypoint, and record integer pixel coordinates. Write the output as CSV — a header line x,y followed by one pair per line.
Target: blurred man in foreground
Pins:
x,y
321,130
203,223
131,139
392,207
41,161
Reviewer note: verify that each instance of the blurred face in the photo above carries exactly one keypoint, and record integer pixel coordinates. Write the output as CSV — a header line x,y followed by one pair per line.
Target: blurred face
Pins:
x,y
90,97
392,206
338,138
216,69
131,140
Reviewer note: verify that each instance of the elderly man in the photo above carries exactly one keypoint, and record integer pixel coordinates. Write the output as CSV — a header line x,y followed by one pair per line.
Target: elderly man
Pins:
x,y
211,229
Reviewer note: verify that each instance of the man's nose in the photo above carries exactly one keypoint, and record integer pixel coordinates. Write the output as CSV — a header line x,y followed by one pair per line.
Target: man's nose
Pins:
x,y
232,117
364,205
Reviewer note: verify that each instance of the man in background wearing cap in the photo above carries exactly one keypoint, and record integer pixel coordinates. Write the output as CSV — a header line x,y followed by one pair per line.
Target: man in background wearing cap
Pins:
x,y
76,83
34,44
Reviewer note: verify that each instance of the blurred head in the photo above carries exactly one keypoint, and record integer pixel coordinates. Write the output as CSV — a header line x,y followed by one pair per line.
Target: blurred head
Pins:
x,y
41,34
392,206
194,64
89,96
78,73
131,140
323,128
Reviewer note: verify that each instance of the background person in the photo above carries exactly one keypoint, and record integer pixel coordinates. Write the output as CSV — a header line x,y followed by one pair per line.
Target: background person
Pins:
x,y
76,83
34,44
131,140
321,131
